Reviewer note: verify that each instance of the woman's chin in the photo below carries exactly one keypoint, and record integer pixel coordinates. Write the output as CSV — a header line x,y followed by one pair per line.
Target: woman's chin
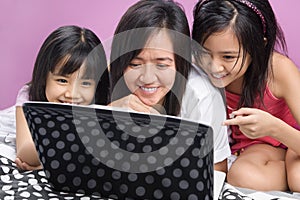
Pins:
x,y
150,102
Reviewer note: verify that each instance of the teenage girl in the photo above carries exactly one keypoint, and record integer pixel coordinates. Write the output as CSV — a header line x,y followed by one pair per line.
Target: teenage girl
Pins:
x,y
242,40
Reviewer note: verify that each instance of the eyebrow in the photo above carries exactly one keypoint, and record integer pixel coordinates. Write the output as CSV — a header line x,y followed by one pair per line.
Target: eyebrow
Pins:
x,y
221,52
57,74
229,52
157,59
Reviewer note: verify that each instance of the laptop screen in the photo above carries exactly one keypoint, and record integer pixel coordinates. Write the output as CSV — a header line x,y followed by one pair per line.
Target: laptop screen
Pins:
x,y
120,154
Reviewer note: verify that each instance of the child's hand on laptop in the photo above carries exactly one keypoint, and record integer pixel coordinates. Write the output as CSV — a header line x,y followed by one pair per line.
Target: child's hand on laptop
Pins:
x,y
24,166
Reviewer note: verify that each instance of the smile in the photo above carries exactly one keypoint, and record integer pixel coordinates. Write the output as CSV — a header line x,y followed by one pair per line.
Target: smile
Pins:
x,y
68,102
149,89
218,76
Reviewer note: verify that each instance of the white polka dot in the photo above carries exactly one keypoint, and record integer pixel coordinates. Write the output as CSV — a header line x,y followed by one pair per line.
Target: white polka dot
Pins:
x,y
6,187
25,194
5,179
37,187
37,194
5,169
32,181
230,197
11,193
4,160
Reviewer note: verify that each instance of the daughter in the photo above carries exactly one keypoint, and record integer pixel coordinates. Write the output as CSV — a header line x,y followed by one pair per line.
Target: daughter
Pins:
x,y
70,67
261,90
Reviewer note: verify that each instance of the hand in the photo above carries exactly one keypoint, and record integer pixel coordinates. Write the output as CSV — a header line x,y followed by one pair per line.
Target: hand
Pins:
x,y
133,102
24,166
254,123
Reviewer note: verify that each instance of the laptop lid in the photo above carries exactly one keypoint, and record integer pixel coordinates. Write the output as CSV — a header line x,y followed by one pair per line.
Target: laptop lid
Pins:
x,y
120,154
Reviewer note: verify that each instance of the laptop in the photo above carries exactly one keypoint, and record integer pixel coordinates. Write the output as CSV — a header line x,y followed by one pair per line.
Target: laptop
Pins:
x,y
118,154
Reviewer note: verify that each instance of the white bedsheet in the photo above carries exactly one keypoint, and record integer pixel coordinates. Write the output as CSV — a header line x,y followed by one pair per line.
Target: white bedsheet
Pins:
x,y
8,132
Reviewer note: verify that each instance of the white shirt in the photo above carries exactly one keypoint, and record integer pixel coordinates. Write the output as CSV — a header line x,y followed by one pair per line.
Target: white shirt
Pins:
x,y
203,103
23,95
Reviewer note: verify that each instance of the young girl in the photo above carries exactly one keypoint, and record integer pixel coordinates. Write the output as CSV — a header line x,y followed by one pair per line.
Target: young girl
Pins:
x,y
70,67
151,71
262,100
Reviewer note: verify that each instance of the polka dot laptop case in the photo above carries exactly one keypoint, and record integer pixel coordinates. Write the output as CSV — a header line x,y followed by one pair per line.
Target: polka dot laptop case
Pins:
x,y
122,155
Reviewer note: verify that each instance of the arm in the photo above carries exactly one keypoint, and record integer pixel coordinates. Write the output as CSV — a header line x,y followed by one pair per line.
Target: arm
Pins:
x,y
255,123
287,83
27,157
221,166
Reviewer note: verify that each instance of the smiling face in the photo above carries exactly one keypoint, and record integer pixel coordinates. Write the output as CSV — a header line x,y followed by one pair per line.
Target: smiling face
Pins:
x,y
151,74
72,88
224,61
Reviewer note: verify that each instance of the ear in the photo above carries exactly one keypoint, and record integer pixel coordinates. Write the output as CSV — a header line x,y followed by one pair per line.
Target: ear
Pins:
x,y
265,41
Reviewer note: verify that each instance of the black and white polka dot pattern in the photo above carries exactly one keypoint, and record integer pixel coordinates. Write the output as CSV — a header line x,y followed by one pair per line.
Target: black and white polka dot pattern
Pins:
x,y
120,155
34,185
15,184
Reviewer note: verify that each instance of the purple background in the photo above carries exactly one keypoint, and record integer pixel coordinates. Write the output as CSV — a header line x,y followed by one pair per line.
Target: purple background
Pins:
x,y
25,24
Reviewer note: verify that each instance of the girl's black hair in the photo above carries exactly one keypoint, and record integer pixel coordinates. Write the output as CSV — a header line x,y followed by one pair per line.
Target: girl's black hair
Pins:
x,y
211,16
140,22
72,47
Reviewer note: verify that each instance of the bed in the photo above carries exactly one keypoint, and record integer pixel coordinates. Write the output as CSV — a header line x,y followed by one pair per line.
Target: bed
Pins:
x,y
16,184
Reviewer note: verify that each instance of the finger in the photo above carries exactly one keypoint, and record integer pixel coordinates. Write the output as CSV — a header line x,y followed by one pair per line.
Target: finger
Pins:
x,y
136,104
244,111
18,163
230,122
238,120
26,166
141,107
29,167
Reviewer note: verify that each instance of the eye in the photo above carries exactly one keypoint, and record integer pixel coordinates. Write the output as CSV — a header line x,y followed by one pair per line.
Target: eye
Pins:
x,y
160,65
230,58
61,80
87,83
134,65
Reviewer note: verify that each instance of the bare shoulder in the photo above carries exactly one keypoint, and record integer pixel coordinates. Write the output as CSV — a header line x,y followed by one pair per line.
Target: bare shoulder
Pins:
x,y
282,63
285,74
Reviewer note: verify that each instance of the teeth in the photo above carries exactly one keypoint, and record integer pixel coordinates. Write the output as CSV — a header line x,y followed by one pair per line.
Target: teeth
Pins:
x,y
70,102
218,75
147,89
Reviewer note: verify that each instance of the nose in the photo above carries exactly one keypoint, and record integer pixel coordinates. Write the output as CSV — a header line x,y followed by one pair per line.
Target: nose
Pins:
x,y
216,66
148,74
72,91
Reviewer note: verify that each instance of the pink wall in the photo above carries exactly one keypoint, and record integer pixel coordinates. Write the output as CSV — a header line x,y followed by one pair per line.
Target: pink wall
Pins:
x,y
25,24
